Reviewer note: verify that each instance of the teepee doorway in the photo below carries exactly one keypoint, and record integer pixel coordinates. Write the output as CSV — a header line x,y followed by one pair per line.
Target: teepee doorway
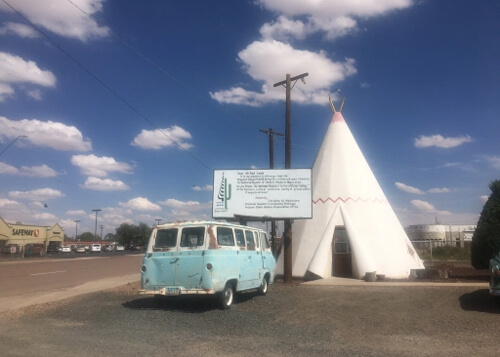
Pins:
x,y
341,254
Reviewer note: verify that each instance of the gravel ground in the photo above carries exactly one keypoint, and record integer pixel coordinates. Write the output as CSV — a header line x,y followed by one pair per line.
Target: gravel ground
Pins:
x,y
292,320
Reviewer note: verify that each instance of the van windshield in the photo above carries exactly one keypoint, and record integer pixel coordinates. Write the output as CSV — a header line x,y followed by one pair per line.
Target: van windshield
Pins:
x,y
166,238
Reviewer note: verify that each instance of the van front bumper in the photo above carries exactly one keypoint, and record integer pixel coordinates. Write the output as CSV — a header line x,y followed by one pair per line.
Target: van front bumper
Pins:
x,y
174,291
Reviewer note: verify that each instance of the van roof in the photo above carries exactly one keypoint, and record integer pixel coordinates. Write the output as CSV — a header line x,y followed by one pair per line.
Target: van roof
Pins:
x,y
190,223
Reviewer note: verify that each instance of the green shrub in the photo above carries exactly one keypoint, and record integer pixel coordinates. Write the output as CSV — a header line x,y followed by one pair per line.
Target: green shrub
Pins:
x,y
486,238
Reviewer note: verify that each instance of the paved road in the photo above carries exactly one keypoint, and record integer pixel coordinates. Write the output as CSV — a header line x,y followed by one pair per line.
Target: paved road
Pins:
x,y
26,282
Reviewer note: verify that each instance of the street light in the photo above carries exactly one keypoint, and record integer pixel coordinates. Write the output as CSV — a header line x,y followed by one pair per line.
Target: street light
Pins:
x,y
76,228
158,220
101,226
13,141
97,210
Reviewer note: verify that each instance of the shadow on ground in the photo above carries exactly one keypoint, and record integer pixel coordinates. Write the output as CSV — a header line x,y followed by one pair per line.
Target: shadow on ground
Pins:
x,y
481,301
188,303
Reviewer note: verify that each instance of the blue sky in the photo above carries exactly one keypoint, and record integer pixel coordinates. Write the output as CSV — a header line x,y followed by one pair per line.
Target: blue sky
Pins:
x,y
129,106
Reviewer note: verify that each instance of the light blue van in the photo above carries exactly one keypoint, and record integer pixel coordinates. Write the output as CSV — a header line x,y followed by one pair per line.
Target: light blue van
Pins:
x,y
207,257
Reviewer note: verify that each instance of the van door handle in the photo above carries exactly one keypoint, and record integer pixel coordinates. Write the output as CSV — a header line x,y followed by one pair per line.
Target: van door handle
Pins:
x,y
174,261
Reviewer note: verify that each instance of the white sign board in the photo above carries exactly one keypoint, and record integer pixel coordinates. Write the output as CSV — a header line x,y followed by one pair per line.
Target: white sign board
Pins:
x,y
262,193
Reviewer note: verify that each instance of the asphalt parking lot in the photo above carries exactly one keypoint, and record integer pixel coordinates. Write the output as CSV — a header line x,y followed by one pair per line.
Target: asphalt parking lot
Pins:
x,y
292,320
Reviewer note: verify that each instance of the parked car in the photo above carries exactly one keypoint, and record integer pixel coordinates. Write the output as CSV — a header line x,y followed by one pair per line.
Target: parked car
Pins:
x,y
81,249
108,248
207,258
65,249
95,248
119,248
495,275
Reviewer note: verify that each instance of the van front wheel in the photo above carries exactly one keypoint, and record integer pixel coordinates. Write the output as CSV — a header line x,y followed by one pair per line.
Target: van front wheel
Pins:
x,y
264,287
226,297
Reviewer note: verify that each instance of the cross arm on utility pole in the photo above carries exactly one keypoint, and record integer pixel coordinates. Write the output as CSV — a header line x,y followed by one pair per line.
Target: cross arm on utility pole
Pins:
x,y
300,76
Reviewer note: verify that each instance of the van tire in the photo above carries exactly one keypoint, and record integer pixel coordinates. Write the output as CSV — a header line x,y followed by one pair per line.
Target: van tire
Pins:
x,y
226,297
264,287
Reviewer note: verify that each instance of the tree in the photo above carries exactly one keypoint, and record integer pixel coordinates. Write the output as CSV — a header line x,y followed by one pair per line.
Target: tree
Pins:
x,y
486,238
130,234
110,236
86,237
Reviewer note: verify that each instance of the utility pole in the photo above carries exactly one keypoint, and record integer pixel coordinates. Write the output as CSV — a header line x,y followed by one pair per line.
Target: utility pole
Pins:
x,y
158,220
271,135
287,234
97,210
76,228
101,226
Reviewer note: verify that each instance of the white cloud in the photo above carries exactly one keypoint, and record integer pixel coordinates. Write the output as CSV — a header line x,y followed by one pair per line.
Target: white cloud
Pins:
x,y
365,85
494,162
36,94
328,8
50,134
439,190
171,202
427,207
203,188
92,165
97,184
283,28
8,169
79,212
441,142
140,204
31,171
19,30
160,138
41,194
265,61
37,171
14,69
334,18
484,198
6,203
6,91
186,210
423,206
48,218
409,189
62,17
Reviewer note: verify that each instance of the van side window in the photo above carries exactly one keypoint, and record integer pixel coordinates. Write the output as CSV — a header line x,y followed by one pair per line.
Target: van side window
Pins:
x,y
240,238
166,238
250,240
256,234
192,237
264,241
225,236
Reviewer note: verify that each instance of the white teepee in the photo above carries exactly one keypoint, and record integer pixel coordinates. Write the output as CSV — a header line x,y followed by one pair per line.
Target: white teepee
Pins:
x,y
347,198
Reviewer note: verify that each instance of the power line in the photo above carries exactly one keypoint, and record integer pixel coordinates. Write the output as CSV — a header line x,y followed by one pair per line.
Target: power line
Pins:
x,y
163,70
106,86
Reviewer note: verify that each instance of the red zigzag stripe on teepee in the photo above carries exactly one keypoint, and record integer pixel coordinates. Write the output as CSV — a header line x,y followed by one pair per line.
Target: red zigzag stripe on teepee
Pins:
x,y
373,200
